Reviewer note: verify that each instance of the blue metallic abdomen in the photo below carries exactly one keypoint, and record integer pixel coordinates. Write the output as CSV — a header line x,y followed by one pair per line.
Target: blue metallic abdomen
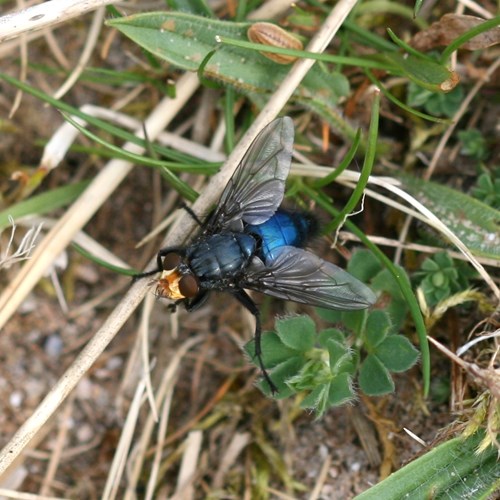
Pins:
x,y
282,229
220,256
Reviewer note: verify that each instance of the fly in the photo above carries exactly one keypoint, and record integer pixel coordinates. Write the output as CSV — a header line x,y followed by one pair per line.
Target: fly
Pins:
x,y
249,242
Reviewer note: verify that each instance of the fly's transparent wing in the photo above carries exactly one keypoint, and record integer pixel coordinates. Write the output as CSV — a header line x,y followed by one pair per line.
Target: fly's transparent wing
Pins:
x,y
256,189
301,276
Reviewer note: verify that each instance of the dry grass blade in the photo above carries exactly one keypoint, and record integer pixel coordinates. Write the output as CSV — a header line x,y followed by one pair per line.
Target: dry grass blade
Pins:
x,y
92,37
124,445
275,104
417,247
184,489
26,496
8,256
44,16
238,443
55,458
56,240
88,203
434,222
157,459
316,492
163,393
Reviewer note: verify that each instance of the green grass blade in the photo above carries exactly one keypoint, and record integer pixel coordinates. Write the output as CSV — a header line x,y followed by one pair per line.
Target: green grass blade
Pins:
x,y
401,104
320,183
181,187
43,203
111,267
477,30
105,126
451,470
357,194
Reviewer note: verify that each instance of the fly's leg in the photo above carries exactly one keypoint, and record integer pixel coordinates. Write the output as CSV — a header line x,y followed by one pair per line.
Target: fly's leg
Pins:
x,y
159,263
196,302
189,304
249,304
190,211
172,307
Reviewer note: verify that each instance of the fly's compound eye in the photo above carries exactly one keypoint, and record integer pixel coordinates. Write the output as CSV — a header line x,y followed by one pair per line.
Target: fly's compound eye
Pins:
x,y
171,261
188,286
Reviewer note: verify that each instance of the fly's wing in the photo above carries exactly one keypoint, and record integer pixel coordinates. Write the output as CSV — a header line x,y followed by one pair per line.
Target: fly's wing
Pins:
x,y
303,277
256,189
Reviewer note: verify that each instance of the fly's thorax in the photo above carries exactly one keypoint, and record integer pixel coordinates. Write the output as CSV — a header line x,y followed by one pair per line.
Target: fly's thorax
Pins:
x,y
220,257
177,281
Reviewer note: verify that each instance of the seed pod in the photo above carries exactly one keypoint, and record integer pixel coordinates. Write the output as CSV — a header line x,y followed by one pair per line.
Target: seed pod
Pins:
x,y
274,36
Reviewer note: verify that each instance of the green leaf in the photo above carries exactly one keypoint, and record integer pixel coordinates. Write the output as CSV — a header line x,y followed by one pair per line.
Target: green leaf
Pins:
x,y
354,320
340,390
409,300
397,308
339,355
435,103
274,351
330,334
488,188
386,282
363,265
191,6
280,375
477,224
428,74
334,393
184,40
439,279
378,325
450,470
443,260
473,143
329,315
374,378
397,353
402,105
347,160
297,332
369,160
316,399
430,265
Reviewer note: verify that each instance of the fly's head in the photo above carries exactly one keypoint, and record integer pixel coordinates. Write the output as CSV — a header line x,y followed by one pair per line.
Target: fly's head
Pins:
x,y
177,281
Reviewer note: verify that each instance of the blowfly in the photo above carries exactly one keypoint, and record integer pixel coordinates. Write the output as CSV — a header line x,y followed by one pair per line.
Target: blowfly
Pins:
x,y
249,243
